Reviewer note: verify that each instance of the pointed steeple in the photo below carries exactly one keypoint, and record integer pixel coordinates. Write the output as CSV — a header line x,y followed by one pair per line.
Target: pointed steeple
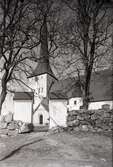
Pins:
x,y
43,64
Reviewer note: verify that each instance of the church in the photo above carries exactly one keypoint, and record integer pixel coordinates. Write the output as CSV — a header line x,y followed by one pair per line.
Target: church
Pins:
x,y
35,105
50,100
38,107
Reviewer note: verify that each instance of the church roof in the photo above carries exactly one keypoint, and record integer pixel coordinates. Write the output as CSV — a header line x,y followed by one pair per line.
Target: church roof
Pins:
x,y
58,95
101,87
43,67
43,64
23,96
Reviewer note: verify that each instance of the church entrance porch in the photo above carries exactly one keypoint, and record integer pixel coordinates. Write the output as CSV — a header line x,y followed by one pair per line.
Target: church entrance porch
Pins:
x,y
41,119
41,127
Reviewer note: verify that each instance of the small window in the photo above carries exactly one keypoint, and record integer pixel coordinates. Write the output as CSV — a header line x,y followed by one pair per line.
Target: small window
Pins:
x,y
42,90
75,102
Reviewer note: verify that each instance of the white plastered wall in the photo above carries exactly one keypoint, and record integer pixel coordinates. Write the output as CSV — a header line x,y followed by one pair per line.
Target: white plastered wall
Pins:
x,y
42,85
23,110
58,113
72,105
39,84
92,105
98,105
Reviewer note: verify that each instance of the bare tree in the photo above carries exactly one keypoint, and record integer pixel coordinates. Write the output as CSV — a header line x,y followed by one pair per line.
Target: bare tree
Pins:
x,y
21,27
87,34
17,24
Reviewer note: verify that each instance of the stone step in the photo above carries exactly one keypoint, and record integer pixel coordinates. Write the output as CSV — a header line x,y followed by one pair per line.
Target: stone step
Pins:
x,y
39,128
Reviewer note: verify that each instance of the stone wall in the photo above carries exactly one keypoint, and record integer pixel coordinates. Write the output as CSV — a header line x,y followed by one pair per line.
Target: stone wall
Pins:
x,y
10,127
90,120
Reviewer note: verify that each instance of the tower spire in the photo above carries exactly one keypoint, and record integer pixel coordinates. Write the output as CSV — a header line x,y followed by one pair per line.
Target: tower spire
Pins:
x,y
43,64
44,40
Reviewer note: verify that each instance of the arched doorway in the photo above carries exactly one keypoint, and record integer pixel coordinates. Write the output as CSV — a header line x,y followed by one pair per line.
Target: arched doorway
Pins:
x,y
41,119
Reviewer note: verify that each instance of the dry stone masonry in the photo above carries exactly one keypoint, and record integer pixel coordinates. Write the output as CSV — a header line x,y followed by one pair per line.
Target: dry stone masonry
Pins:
x,y
10,127
90,120
77,120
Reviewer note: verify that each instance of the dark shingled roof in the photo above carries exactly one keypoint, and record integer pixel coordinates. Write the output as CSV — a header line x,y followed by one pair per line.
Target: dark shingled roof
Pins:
x,y
43,64
58,95
65,89
42,68
23,96
101,87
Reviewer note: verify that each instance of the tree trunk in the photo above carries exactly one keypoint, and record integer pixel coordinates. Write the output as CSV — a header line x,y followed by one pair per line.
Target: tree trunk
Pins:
x,y
2,98
86,97
4,89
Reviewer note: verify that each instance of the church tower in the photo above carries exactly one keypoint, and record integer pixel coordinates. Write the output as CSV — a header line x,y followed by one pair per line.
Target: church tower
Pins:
x,y
43,78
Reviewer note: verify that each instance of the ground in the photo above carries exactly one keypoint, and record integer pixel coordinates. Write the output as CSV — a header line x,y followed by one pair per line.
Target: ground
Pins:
x,y
56,150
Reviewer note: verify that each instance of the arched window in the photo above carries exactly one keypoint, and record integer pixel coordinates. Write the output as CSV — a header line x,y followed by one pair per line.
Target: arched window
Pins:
x,y
41,119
